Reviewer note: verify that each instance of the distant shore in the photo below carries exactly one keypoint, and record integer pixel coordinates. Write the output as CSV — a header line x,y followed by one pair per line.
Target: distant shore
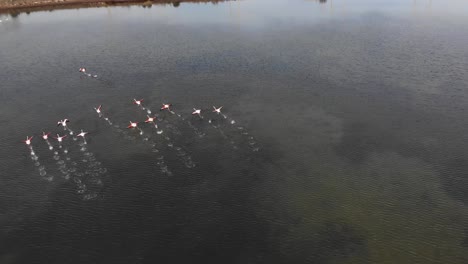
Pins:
x,y
24,6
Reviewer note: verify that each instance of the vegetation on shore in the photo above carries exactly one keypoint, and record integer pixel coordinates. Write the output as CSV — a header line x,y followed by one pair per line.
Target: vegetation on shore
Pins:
x,y
15,7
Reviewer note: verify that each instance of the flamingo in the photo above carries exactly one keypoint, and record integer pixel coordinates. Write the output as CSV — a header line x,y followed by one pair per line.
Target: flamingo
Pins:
x,y
98,109
150,119
82,134
166,106
28,140
217,110
45,135
133,124
137,102
60,138
63,122
196,111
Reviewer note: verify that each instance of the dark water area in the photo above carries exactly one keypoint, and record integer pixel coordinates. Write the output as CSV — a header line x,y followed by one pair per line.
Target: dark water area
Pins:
x,y
345,138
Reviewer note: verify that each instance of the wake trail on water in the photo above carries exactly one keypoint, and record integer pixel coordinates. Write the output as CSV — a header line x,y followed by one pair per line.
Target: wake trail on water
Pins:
x,y
186,121
221,132
244,133
40,168
90,178
67,129
62,164
92,174
69,168
66,165
87,73
251,141
87,177
181,153
190,125
161,163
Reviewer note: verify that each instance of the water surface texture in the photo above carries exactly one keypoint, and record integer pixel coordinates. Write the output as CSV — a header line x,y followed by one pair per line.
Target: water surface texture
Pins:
x,y
345,138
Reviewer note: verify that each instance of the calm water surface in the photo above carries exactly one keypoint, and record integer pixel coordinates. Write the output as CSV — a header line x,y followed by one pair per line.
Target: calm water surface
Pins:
x,y
350,141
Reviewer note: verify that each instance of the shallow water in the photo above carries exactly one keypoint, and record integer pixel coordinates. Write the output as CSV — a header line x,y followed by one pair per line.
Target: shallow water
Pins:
x,y
357,112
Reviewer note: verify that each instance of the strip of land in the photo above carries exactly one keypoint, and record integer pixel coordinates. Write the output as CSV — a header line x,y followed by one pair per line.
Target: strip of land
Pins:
x,y
15,7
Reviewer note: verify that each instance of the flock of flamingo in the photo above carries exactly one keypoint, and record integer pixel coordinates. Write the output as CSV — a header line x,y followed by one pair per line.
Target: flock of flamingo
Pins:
x,y
87,172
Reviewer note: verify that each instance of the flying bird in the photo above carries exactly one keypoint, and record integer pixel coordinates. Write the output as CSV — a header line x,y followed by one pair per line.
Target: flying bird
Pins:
x,y
82,134
166,107
28,140
45,135
60,138
98,109
196,111
133,124
217,110
137,102
63,122
150,119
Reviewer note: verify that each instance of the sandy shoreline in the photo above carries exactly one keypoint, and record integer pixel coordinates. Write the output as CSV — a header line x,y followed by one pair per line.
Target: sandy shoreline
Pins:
x,y
21,6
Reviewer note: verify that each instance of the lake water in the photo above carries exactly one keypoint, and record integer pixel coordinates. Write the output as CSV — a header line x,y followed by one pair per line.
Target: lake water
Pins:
x,y
345,138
